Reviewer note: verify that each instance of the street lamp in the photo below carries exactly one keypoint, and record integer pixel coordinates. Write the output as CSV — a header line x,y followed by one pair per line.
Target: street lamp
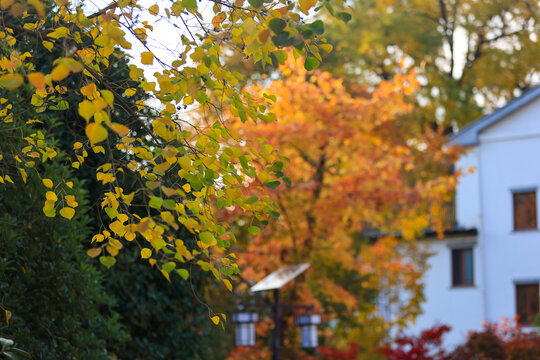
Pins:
x,y
308,329
274,282
245,327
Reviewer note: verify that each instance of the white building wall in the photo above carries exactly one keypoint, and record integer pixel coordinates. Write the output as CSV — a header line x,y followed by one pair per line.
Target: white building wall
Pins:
x,y
467,191
458,307
509,161
506,159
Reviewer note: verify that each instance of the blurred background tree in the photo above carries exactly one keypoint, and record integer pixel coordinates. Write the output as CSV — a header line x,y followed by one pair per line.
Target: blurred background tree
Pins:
x,y
470,56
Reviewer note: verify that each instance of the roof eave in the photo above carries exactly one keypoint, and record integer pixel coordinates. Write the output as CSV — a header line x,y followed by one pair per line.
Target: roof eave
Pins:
x,y
470,134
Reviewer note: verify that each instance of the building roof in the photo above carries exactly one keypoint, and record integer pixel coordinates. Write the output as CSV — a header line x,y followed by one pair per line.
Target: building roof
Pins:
x,y
469,134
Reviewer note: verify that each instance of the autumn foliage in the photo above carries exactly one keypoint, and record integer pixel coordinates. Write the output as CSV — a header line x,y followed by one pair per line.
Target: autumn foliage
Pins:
x,y
182,169
351,163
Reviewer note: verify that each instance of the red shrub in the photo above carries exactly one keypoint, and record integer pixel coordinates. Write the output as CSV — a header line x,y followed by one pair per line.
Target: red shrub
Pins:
x,y
427,346
332,353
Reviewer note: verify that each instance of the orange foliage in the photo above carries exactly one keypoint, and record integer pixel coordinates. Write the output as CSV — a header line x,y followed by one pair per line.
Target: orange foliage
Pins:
x,y
355,164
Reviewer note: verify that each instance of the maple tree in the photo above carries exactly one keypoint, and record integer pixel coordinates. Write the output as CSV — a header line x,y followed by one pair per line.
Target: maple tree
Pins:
x,y
181,167
472,56
351,163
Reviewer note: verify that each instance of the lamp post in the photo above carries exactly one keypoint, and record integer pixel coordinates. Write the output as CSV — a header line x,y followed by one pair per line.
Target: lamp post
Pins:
x,y
245,323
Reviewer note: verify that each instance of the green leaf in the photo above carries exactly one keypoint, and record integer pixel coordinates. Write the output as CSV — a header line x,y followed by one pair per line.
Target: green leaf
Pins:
x,y
107,261
272,184
251,200
155,202
183,273
345,16
282,39
311,63
50,212
280,55
168,267
277,25
256,3
190,4
317,27
287,180
253,230
275,214
169,204
207,238
111,212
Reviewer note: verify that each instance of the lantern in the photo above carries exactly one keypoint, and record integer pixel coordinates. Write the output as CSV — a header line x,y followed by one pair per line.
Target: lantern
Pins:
x,y
308,329
245,327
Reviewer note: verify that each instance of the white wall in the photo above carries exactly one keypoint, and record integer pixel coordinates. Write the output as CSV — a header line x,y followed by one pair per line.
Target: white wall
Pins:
x,y
509,160
458,307
506,159
467,191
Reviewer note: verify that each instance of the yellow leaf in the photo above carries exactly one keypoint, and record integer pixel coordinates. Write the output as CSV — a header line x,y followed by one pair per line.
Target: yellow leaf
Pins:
x,y
101,116
120,129
48,183
77,145
130,92
11,81
98,238
118,228
215,319
166,274
87,109
48,45
49,204
228,284
60,72
8,316
6,3
305,5
38,5
161,168
90,91
154,9
186,187
51,196
37,80
326,47
94,252
70,200
69,184
146,253
147,58
96,133
67,212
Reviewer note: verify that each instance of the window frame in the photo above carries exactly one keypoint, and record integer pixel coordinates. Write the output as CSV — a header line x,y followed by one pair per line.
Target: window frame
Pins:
x,y
536,286
515,216
461,250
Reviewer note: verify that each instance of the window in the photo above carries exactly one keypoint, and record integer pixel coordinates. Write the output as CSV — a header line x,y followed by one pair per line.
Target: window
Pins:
x,y
462,267
527,301
525,210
